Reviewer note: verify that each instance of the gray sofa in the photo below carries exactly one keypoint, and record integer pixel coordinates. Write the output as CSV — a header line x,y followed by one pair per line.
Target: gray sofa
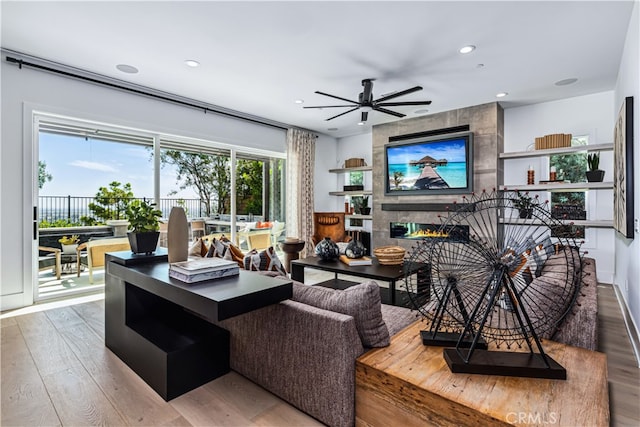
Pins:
x,y
306,354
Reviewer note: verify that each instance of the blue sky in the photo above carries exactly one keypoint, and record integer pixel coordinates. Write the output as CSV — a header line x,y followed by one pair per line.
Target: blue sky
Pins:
x,y
79,167
453,151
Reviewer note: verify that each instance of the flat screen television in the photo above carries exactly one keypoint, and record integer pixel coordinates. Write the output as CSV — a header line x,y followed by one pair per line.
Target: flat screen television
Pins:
x,y
430,166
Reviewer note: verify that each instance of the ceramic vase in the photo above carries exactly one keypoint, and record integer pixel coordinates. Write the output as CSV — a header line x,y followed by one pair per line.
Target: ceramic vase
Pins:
x,y
327,249
178,235
355,249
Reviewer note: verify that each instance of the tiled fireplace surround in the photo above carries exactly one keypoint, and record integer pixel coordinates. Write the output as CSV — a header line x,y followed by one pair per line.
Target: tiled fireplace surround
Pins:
x,y
486,121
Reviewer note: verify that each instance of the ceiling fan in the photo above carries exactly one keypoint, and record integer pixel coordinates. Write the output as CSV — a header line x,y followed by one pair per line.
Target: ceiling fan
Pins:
x,y
366,102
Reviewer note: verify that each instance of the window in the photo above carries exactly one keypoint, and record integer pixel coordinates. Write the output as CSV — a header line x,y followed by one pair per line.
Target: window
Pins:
x,y
570,205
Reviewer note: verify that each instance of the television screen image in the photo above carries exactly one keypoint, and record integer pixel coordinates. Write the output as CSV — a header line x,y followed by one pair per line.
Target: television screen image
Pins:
x,y
439,165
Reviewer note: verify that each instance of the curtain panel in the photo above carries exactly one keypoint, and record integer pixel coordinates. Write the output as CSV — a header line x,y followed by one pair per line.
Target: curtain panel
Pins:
x,y
301,148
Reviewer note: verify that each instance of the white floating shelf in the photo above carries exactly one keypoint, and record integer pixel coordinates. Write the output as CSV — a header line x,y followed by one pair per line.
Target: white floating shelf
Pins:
x,y
563,186
551,151
586,223
356,216
351,193
354,169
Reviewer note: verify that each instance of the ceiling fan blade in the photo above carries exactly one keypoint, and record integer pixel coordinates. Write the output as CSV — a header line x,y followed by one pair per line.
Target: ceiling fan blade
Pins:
x,y
336,97
384,110
364,116
342,114
401,93
329,106
397,104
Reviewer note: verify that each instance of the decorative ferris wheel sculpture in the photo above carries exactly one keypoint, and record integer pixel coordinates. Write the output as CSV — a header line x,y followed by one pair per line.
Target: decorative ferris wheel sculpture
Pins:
x,y
498,278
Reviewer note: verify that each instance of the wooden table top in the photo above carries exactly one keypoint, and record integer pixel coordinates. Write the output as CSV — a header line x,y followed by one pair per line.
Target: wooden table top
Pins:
x,y
581,400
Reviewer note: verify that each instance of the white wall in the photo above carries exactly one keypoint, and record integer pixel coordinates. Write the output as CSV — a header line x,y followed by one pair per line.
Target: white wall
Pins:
x,y
26,89
627,269
331,155
592,115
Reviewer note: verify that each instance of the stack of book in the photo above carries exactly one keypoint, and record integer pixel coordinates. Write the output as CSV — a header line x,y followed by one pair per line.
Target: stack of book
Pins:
x,y
365,260
199,270
556,140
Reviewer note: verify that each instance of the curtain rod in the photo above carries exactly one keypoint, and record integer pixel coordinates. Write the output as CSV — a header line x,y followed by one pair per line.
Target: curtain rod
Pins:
x,y
141,90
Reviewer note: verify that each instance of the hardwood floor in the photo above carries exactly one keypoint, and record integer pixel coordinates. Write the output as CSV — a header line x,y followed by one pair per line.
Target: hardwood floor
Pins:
x,y
624,374
56,371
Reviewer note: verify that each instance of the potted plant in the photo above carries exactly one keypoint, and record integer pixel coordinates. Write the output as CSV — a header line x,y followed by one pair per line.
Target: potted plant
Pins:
x,y
364,206
69,244
594,174
144,226
524,203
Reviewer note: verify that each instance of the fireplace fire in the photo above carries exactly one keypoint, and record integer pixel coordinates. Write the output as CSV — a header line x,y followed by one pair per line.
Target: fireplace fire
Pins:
x,y
416,231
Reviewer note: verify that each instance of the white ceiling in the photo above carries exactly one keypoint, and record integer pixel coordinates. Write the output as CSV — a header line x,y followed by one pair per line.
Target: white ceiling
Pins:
x,y
259,57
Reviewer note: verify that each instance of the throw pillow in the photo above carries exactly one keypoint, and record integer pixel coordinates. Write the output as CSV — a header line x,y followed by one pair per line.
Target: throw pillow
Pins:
x,y
541,258
198,249
521,272
549,247
266,260
360,301
217,249
233,251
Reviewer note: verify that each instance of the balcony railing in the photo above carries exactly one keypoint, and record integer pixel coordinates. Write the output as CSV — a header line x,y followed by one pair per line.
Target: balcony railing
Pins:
x,y
72,208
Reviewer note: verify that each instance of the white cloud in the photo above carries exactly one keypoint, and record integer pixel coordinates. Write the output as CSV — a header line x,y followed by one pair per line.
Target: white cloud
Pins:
x,y
93,166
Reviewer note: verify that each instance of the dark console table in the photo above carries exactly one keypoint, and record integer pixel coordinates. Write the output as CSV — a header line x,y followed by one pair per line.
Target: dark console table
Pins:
x,y
376,271
161,327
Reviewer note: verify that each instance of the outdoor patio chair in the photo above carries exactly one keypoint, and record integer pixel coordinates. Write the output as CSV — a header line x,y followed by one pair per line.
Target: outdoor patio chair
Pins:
x,y
258,240
276,231
53,259
95,250
164,228
197,228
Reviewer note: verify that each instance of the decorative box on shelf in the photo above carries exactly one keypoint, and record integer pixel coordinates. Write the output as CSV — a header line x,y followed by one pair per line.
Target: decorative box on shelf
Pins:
x,y
353,187
354,163
556,140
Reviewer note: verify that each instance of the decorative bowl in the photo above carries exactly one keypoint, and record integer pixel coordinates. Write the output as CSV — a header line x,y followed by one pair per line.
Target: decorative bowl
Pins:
x,y
390,255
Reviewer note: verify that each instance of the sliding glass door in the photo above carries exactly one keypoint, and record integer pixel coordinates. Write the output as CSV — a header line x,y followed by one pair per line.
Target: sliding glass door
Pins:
x,y
88,173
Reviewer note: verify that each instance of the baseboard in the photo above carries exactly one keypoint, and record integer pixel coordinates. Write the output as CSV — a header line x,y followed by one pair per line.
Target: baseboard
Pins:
x,y
632,329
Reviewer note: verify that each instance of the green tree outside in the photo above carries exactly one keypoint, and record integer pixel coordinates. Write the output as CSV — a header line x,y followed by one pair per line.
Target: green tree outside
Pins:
x,y
43,175
210,176
249,186
110,203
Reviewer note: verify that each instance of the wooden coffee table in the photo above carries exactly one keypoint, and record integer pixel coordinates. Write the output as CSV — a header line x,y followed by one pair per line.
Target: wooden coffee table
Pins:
x,y
410,384
384,273
163,328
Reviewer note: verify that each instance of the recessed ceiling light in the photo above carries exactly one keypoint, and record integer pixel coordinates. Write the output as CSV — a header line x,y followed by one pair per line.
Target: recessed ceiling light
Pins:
x,y
360,123
501,94
332,129
299,101
467,49
129,69
422,111
566,82
192,63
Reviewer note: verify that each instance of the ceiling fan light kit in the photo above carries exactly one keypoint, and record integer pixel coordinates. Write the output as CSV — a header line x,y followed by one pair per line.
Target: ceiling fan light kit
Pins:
x,y
366,103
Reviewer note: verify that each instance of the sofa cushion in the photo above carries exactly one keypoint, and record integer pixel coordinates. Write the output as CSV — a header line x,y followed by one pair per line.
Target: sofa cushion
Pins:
x,y
198,248
266,260
360,301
